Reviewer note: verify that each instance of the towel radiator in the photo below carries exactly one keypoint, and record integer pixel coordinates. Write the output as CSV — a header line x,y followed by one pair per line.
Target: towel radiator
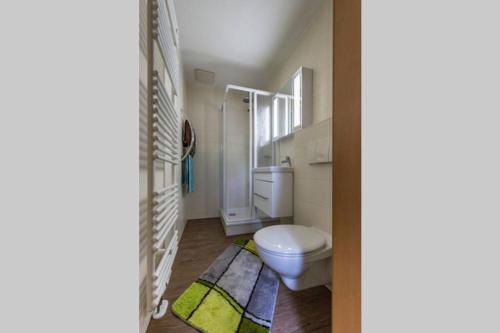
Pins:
x,y
165,34
164,151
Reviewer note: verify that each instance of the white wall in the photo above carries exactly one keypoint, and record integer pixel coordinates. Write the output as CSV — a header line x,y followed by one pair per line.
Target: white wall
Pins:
x,y
203,104
312,183
313,50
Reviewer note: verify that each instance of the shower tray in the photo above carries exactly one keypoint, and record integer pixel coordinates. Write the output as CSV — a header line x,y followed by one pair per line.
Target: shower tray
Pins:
x,y
238,221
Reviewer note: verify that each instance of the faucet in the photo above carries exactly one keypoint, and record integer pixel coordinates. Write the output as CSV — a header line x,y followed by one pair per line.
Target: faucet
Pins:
x,y
287,160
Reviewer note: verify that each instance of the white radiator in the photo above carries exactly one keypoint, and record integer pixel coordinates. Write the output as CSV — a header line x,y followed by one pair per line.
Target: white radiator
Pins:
x,y
163,150
165,34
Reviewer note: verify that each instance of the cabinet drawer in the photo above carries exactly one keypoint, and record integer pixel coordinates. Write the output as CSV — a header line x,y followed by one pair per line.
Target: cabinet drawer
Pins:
x,y
262,203
263,176
263,188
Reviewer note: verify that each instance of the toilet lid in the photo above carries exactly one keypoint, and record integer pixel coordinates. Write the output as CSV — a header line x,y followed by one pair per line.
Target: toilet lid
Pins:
x,y
289,239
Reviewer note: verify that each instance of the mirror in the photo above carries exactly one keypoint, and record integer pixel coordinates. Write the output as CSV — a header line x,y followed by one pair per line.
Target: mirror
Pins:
x,y
292,105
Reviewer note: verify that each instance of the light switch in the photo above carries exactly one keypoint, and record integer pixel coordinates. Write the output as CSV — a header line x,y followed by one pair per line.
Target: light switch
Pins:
x,y
319,151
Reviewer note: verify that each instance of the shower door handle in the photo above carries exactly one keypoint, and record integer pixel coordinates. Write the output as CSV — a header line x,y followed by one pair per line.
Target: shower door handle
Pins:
x,y
261,196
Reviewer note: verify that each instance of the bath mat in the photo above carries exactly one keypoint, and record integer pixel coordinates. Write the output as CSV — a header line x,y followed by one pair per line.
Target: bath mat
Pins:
x,y
236,294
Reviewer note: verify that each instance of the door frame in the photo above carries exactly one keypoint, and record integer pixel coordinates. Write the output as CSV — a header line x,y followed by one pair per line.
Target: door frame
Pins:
x,y
346,205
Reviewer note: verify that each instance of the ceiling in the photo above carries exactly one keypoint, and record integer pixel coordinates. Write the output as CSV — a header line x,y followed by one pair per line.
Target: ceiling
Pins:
x,y
240,40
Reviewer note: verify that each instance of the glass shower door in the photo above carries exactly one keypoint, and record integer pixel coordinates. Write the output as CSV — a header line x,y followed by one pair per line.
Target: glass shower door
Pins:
x,y
263,143
246,144
236,156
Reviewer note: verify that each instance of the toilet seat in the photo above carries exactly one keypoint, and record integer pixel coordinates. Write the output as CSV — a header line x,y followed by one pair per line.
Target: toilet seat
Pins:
x,y
290,240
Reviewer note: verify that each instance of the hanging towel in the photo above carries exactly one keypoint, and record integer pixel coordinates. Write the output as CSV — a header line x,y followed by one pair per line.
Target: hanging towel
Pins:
x,y
186,134
187,174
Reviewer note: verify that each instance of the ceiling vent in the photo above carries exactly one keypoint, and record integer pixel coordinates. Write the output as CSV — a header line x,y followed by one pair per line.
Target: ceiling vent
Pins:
x,y
204,76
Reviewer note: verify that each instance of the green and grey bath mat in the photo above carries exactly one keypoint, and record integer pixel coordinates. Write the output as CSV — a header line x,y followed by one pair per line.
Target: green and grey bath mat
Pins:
x,y
236,294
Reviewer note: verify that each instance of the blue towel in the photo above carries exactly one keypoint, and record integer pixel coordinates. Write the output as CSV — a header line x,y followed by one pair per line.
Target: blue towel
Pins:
x,y
187,174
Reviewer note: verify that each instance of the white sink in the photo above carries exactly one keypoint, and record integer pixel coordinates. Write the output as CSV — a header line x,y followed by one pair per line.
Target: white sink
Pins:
x,y
272,169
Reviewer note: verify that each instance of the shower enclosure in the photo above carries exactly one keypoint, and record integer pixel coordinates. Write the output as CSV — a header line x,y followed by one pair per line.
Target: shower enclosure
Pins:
x,y
246,144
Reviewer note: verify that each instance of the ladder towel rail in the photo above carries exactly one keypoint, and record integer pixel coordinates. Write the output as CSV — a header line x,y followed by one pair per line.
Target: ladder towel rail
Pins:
x,y
164,148
163,33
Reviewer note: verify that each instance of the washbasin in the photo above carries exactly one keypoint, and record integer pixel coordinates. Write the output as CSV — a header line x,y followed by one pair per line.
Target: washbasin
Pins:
x,y
272,169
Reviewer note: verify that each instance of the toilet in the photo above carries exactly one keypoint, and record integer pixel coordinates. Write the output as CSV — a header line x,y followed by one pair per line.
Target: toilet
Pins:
x,y
300,254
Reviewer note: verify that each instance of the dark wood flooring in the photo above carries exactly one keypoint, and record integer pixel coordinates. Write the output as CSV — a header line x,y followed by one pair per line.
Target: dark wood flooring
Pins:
x,y
307,311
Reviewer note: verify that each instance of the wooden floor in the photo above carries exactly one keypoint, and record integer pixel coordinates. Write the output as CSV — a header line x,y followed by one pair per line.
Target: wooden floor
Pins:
x,y
307,311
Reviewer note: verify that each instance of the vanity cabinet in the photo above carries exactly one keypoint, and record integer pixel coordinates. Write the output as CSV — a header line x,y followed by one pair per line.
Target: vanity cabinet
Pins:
x,y
273,191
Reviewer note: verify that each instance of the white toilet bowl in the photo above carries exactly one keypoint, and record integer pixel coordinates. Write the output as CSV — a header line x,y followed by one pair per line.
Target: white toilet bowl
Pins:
x,y
300,254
